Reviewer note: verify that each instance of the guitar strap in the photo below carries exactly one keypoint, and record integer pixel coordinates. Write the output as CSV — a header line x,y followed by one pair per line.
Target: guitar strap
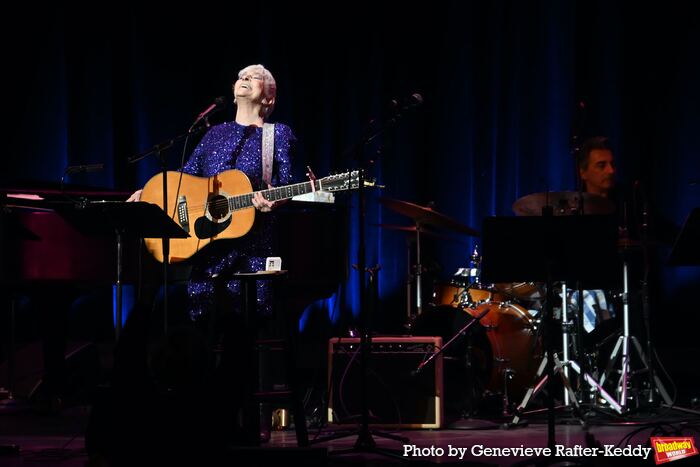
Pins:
x,y
268,149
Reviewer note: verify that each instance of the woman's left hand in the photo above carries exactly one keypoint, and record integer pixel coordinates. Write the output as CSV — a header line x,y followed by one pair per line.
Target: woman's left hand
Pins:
x,y
261,204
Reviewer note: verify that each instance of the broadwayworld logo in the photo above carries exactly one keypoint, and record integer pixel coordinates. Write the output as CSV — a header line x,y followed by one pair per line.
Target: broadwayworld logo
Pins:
x,y
669,449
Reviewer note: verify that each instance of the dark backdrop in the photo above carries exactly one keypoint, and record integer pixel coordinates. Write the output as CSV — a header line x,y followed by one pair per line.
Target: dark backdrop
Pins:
x,y
501,81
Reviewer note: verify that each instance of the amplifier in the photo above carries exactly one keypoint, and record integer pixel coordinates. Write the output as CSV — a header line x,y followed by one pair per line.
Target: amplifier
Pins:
x,y
397,396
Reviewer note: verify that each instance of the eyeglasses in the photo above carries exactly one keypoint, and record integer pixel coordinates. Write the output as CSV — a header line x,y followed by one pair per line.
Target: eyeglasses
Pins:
x,y
248,77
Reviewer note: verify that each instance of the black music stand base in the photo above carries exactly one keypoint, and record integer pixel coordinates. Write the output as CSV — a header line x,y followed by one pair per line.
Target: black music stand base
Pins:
x,y
365,442
365,436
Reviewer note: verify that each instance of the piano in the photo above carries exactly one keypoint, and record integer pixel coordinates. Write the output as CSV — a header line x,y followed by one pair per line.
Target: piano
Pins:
x,y
44,238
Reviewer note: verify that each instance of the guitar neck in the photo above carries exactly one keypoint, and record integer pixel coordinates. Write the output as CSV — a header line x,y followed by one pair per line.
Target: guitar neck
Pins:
x,y
273,194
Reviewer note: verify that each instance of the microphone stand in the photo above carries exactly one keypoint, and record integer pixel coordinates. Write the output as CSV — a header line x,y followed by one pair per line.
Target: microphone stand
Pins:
x,y
654,383
365,441
158,151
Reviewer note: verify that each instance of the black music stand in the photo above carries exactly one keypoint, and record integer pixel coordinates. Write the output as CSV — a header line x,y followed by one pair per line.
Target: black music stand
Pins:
x,y
685,253
548,249
134,220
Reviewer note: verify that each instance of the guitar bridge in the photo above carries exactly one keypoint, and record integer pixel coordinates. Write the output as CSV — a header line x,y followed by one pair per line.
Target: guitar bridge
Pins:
x,y
182,215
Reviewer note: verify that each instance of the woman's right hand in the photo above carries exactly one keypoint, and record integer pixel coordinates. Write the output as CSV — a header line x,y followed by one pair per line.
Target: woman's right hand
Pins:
x,y
136,196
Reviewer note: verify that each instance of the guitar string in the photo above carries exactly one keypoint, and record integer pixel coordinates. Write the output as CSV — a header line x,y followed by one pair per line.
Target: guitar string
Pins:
x,y
226,201
219,203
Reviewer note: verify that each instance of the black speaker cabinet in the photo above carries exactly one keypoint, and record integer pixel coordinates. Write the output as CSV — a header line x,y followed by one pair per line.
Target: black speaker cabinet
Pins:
x,y
397,396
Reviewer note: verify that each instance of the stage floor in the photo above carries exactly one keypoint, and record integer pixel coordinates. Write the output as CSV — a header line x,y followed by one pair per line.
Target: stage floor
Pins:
x,y
59,440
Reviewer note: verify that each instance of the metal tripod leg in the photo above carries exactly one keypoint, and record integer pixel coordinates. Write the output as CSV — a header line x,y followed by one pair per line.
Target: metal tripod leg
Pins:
x,y
533,390
623,342
647,365
574,365
594,384
559,368
563,369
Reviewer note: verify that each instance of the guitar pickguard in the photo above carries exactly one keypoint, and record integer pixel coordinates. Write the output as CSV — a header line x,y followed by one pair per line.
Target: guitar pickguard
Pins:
x,y
204,228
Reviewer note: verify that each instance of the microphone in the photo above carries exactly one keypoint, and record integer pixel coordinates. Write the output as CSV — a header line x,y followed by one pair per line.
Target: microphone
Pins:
x,y
219,104
72,169
413,100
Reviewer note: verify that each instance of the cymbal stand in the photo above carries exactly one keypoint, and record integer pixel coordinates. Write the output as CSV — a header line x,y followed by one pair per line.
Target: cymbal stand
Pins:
x,y
419,273
562,368
415,272
409,287
623,343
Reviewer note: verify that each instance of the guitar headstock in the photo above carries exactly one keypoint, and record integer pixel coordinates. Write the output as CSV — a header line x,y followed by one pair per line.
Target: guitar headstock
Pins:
x,y
341,182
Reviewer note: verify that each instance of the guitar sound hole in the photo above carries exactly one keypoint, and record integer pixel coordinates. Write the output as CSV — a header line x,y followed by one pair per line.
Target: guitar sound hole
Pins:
x,y
218,207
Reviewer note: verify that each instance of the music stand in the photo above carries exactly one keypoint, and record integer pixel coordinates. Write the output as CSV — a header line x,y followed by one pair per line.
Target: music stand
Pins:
x,y
548,249
134,220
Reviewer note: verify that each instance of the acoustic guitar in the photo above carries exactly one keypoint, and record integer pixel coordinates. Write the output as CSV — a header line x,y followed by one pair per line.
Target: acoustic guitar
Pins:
x,y
221,207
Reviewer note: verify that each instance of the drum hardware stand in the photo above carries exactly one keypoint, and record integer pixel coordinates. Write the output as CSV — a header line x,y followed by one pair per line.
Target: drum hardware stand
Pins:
x,y
410,317
474,269
414,273
459,333
623,343
562,367
417,274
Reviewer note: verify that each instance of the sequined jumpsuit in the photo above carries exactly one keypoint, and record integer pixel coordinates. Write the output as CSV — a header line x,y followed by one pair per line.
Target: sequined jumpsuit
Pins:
x,y
234,146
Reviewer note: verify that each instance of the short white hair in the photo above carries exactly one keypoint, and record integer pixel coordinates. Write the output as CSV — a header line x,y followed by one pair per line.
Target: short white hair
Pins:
x,y
269,84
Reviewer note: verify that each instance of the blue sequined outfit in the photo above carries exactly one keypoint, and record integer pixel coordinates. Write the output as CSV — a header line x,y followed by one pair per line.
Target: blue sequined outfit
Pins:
x,y
234,146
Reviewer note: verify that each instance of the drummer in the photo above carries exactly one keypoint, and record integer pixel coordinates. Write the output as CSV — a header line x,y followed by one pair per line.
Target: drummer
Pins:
x,y
596,169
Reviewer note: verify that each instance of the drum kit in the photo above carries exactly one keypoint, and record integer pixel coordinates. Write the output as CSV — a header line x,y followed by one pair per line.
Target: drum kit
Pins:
x,y
504,339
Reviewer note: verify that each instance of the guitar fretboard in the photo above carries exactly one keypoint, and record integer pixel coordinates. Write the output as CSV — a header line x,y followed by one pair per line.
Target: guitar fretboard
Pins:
x,y
273,194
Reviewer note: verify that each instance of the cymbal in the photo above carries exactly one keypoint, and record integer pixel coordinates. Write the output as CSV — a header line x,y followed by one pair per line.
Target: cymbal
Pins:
x,y
412,229
563,202
426,215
